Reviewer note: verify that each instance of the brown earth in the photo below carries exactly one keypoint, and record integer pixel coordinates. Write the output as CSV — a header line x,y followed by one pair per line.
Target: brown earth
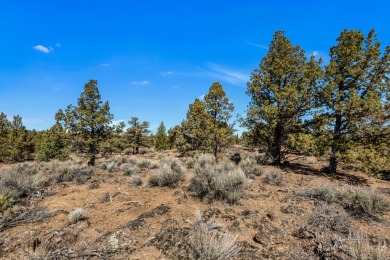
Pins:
x,y
126,222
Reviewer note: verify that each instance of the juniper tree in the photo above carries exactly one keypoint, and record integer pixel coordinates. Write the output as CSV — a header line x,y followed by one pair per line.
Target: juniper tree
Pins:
x,y
51,144
161,137
195,129
136,134
219,108
5,127
282,91
354,96
18,141
173,134
89,123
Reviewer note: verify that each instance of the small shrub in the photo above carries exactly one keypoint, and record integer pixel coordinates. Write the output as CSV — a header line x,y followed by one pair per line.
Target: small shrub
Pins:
x,y
129,169
111,166
217,183
76,215
327,193
328,217
273,177
6,202
169,174
135,181
366,201
144,164
251,168
132,160
358,246
209,243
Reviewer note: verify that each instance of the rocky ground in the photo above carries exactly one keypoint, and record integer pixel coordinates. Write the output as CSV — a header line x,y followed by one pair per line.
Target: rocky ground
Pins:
x,y
122,219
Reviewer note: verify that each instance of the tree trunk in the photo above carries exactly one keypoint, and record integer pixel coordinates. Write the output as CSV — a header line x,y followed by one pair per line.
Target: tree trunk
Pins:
x,y
333,161
277,146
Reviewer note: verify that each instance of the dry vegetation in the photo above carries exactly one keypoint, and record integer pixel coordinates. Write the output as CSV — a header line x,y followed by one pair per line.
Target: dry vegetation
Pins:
x,y
142,207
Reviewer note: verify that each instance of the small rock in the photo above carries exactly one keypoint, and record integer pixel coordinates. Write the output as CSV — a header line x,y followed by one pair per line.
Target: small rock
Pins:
x,y
271,215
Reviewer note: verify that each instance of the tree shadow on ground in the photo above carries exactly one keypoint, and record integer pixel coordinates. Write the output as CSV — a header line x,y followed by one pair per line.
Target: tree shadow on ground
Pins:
x,y
344,177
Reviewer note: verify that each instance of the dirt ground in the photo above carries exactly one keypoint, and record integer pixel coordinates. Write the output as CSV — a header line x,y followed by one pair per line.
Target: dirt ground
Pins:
x,y
126,222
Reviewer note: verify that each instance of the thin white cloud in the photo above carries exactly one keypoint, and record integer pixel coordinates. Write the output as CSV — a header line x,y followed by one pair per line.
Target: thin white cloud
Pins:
x,y
41,48
58,45
201,97
115,122
167,73
105,64
257,45
140,83
232,76
315,53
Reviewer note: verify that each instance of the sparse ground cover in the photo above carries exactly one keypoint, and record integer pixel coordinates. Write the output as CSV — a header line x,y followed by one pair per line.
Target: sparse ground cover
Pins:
x,y
160,206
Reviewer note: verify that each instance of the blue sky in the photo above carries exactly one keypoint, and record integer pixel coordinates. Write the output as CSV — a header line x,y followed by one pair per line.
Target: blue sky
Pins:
x,y
153,58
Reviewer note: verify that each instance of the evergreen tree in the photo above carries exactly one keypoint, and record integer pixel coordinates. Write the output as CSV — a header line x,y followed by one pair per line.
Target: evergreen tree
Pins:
x,y
161,138
219,108
51,144
195,129
136,134
5,127
89,123
18,141
354,95
173,134
283,92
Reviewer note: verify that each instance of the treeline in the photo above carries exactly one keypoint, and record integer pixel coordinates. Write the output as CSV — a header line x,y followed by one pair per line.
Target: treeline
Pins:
x,y
340,110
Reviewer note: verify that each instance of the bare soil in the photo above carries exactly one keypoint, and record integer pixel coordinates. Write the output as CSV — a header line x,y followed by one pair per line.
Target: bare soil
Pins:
x,y
126,222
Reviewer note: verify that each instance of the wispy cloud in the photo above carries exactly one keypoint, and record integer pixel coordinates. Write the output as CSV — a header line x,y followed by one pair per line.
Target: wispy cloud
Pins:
x,y
41,48
58,45
167,73
265,47
201,97
141,83
232,76
314,53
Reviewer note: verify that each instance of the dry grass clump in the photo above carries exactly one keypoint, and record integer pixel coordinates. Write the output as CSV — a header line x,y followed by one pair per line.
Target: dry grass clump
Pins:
x,y
76,215
217,182
358,246
209,243
170,173
273,177
359,200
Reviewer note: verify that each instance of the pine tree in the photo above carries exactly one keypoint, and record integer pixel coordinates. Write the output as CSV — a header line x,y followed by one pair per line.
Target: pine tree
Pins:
x,y
283,92
161,137
354,95
89,123
136,134
219,108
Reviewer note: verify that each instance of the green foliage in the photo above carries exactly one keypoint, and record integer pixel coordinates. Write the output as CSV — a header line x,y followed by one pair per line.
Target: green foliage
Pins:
x,y
173,134
51,144
219,108
356,94
89,123
136,134
206,127
283,92
161,137
194,129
